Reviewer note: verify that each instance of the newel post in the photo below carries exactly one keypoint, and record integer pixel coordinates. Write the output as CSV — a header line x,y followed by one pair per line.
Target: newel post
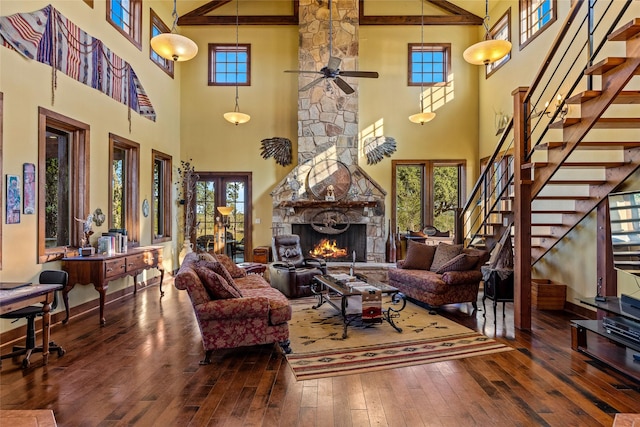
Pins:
x,y
521,212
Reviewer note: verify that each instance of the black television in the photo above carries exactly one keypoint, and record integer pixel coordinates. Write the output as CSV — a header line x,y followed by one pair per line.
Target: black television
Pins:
x,y
624,219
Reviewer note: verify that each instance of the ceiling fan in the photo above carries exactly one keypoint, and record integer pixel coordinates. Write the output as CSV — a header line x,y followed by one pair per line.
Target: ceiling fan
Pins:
x,y
332,70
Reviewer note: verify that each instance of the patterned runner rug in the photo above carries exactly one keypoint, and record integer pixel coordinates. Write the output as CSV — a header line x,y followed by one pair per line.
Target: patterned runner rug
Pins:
x,y
319,350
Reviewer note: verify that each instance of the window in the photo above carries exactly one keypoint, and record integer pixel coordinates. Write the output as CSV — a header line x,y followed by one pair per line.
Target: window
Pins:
x,y
427,193
535,17
124,181
161,197
159,27
429,64
500,31
232,189
63,183
229,65
126,17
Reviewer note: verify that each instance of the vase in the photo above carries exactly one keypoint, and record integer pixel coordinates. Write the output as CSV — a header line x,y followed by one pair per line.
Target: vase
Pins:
x,y
187,247
391,245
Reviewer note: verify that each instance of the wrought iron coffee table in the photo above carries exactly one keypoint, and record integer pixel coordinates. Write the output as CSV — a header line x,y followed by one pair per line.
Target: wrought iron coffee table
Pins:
x,y
331,288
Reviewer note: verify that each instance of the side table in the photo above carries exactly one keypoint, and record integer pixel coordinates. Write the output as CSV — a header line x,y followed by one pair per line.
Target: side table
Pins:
x,y
498,287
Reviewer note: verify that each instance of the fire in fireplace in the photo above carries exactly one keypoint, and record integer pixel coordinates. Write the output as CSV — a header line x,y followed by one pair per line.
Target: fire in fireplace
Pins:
x,y
328,248
334,247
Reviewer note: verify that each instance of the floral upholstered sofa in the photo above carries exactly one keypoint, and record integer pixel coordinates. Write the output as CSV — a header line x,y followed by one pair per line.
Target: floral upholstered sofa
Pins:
x,y
233,309
439,275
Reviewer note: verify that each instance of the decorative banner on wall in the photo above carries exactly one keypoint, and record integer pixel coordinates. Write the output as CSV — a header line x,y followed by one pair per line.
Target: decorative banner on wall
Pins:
x,y
48,37
29,188
13,199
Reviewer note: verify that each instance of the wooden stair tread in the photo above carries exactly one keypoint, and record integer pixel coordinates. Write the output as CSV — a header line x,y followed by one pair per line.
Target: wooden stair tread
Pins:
x,y
601,123
583,164
568,197
624,97
549,211
626,32
591,145
605,65
577,182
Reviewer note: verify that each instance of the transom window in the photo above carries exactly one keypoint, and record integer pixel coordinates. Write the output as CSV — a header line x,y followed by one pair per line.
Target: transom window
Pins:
x,y
126,17
429,64
159,27
229,65
535,17
500,31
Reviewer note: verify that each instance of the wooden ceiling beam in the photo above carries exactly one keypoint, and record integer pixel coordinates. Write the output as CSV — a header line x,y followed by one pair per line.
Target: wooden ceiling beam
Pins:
x,y
458,16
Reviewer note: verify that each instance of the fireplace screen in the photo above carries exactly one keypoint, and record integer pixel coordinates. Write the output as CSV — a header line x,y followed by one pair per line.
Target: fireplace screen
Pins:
x,y
333,247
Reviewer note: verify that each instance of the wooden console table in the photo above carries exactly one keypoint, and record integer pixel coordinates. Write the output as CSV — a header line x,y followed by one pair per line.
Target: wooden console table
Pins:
x,y
99,270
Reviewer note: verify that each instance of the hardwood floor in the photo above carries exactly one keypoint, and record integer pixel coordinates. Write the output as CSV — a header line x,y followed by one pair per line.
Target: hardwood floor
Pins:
x,y
142,369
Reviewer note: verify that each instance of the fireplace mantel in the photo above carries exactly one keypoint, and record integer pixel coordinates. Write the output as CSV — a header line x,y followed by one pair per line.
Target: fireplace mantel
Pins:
x,y
327,204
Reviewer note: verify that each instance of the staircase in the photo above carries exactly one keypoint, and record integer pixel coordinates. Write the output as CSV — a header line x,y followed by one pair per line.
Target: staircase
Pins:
x,y
563,168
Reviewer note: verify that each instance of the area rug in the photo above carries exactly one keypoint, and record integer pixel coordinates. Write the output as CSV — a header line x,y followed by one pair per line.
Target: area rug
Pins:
x,y
319,350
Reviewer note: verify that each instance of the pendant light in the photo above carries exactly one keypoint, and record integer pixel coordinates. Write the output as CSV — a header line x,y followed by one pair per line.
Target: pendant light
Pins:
x,y
489,50
422,117
172,45
235,116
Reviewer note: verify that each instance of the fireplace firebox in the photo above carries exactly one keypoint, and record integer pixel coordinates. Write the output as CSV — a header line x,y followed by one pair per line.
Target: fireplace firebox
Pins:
x,y
333,247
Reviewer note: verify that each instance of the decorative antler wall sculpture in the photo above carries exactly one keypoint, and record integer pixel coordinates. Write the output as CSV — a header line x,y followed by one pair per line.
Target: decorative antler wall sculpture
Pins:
x,y
378,147
279,148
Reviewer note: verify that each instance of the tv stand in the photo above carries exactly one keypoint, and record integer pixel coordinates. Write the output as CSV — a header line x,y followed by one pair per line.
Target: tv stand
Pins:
x,y
610,348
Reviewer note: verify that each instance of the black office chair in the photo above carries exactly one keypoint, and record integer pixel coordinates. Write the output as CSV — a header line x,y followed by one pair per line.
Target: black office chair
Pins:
x,y
47,277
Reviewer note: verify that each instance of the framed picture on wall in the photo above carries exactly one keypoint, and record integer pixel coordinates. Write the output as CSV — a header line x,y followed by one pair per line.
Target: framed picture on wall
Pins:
x,y
13,199
29,188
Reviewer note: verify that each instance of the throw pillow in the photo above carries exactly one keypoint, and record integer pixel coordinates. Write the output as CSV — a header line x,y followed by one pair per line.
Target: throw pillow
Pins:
x,y
462,262
419,256
205,256
216,286
218,268
444,253
232,267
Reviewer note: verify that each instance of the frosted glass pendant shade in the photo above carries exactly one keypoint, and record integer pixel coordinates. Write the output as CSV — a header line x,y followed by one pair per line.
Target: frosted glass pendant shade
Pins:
x,y
174,47
236,117
422,118
487,52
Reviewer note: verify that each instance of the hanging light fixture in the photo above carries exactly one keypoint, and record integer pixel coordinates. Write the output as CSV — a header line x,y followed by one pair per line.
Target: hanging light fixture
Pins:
x,y
489,50
235,116
172,45
422,117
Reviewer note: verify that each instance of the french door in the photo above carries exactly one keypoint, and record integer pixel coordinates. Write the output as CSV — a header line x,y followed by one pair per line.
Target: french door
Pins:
x,y
214,228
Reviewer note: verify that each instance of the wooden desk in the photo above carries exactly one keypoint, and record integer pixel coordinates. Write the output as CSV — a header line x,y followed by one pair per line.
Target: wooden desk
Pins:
x,y
99,270
25,296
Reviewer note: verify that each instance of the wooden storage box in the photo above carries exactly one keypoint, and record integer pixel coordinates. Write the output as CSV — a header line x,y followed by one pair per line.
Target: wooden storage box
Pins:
x,y
262,254
546,295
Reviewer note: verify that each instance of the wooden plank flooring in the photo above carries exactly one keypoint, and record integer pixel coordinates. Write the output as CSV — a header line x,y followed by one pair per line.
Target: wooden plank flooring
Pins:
x,y
142,369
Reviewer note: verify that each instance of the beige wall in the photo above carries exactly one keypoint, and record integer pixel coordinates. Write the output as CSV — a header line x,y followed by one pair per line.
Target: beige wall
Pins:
x,y
26,85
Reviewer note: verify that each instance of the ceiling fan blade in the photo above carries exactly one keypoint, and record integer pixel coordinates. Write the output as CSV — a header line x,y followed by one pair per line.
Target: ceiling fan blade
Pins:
x,y
303,71
346,88
334,63
369,74
310,85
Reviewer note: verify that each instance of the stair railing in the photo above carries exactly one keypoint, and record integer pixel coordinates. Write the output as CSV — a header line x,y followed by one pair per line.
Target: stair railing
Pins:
x,y
577,45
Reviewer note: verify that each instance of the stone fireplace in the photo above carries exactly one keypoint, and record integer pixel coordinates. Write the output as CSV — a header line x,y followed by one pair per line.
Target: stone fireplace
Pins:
x,y
328,143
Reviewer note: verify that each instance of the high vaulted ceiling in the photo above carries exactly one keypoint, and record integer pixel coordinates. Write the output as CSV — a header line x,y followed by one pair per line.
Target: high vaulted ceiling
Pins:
x,y
442,12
